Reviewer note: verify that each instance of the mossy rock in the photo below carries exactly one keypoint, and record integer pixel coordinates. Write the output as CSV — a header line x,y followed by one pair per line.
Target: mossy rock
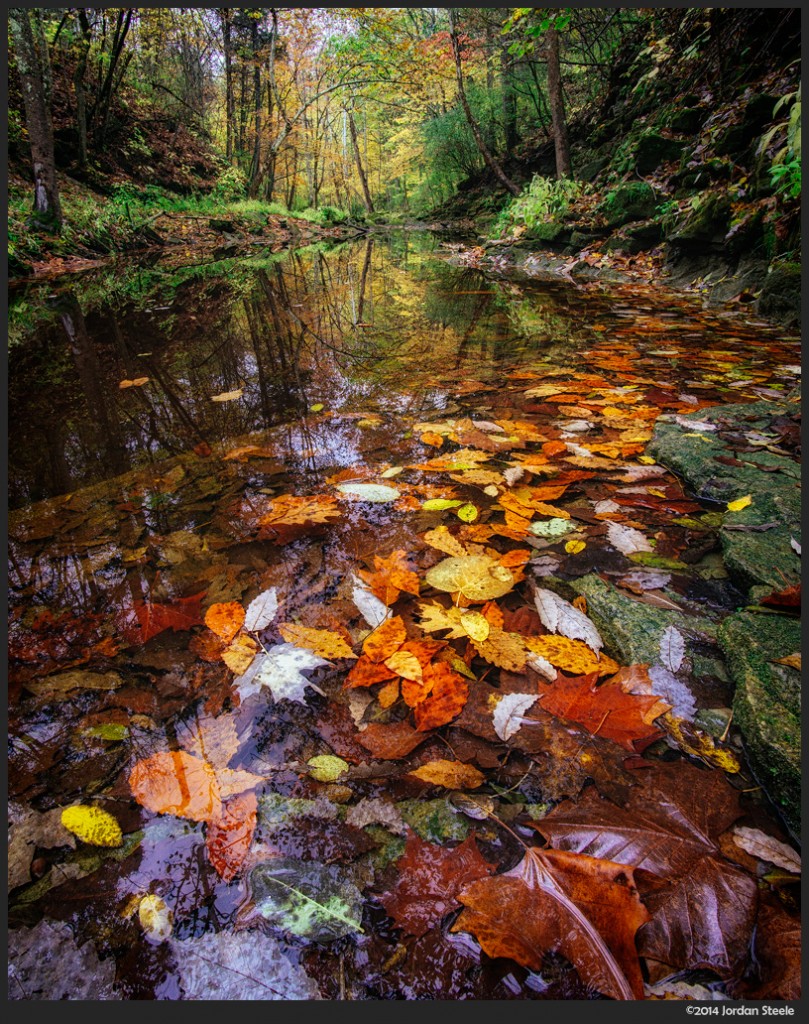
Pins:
x,y
631,630
780,296
767,703
635,238
633,201
652,150
753,557
707,223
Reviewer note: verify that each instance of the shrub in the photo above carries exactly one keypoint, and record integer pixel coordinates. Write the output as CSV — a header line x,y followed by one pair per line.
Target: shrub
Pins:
x,y
230,185
540,207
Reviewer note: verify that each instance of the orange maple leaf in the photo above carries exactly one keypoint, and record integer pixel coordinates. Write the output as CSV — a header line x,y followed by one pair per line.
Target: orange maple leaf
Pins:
x,y
392,576
225,619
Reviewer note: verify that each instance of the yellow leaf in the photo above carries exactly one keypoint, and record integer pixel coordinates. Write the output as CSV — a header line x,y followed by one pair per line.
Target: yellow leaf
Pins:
x,y
451,774
324,642
573,656
156,918
791,660
239,656
327,767
317,407
92,825
573,547
476,577
699,744
406,665
476,625
740,503
647,460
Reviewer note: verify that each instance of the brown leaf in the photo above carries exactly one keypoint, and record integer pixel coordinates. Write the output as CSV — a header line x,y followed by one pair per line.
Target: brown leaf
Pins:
x,y
776,954
290,513
429,879
230,834
450,774
703,916
176,783
582,907
603,710
390,742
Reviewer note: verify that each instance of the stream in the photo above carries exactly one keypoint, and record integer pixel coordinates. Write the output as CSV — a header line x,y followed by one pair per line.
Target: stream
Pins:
x,y
225,475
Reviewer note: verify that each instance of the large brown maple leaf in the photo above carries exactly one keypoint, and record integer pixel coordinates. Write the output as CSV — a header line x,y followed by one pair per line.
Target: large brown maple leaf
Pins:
x,y
585,908
430,876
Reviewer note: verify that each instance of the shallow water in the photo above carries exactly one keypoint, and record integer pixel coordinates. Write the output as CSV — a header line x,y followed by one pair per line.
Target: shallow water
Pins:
x,y
165,421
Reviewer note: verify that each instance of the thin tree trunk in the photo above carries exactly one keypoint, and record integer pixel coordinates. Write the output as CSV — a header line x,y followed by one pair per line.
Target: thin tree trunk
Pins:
x,y
34,67
255,165
226,15
109,86
369,204
558,123
491,163
509,103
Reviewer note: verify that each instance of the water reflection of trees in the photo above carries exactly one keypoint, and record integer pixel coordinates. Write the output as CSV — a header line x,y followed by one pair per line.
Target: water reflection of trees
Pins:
x,y
349,328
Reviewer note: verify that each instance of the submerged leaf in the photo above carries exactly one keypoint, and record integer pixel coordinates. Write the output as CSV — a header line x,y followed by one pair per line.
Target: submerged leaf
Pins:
x,y
92,825
370,492
176,783
281,671
310,900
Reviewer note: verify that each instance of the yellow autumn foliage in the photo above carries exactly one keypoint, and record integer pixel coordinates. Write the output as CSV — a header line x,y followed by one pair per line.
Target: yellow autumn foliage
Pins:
x,y
92,825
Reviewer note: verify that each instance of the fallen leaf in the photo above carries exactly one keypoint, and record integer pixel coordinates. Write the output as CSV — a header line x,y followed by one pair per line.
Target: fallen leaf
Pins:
x,y
428,881
228,396
573,656
509,711
767,848
740,503
391,577
156,918
582,907
672,648
281,670
369,606
230,834
626,539
261,611
476,577
176,783
560,616
450,774
370,492
225,619
324,642
239,656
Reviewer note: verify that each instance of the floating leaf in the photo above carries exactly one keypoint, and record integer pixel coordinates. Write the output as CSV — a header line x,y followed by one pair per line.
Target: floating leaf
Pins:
x,y
387,638
92,825
740,503
327,767
370,492
575,547
225,619
450,774
759,844
239,656
475,577
476,625
281,671
551,527
324,642
586,909
391,576
405,665
467,513
262,610
176,783
440,504
572,656
509,711
428,880
156,919
626,539
228,396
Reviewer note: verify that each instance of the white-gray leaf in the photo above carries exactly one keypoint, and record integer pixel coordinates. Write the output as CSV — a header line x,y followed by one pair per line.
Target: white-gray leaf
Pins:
x,y
281,671
560,616
672,648
626,539
370,607
508,713
261,610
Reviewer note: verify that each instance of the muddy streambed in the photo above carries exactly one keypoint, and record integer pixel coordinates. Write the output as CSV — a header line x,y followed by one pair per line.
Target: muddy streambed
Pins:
x,y
297,546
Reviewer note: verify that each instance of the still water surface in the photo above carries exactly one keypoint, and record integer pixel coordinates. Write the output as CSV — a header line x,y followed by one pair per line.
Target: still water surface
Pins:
x,y
158,414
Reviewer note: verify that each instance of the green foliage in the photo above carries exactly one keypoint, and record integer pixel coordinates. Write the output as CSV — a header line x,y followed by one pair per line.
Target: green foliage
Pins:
x,y
231,184
785,170
541,207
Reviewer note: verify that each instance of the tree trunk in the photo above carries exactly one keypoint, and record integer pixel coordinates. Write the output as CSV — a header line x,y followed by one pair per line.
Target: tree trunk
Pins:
x,y
109,87
369,205
255,165
34,68
558,123
490,161
78,85
226,15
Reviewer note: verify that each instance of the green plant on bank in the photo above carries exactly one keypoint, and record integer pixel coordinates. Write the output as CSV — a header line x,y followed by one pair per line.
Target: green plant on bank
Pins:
x,y
785,169
231,184
540,207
